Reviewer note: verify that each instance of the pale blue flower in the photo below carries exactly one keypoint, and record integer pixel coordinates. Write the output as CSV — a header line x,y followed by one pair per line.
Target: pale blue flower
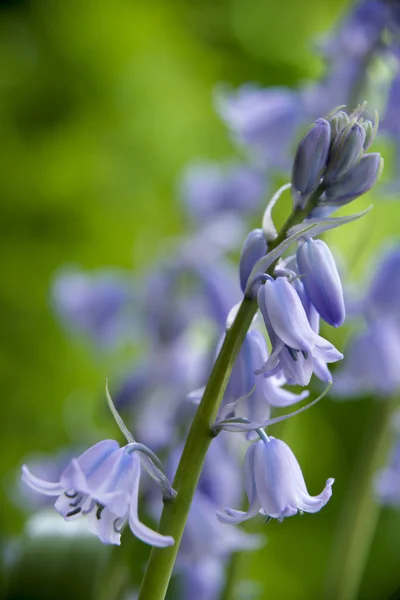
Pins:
x,y
387,481
383,294
95,304
296,347
102,483
264,119
254,247
372,361
252,396
321,280
274,484
208,189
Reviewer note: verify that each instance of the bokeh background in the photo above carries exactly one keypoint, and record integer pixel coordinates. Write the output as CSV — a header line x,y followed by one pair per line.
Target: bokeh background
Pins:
x,y
101,106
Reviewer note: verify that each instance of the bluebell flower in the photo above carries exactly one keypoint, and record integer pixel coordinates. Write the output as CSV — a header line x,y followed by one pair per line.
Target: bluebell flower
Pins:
x,y
383,295
208,189
348,50
387,481
102,483
295,345
274,484
95,304
254,247
321,280
372,361
252,396
264,119
202,579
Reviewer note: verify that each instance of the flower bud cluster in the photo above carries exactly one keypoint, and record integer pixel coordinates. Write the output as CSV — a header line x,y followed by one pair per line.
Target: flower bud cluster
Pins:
x,y
332,157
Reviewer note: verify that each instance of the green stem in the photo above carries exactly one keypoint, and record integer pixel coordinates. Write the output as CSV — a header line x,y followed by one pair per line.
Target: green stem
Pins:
x,y
360,515
174,515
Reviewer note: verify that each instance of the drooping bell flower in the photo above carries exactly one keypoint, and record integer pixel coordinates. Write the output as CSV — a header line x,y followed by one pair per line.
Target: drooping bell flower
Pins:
x,y
295,345
274,484
102,483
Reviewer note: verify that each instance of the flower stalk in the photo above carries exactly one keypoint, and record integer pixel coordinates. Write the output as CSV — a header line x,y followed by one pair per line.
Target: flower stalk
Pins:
x,y
174,515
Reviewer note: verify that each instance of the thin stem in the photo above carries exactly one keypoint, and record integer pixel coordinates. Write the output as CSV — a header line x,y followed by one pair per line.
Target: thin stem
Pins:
x,y
361,511
174,515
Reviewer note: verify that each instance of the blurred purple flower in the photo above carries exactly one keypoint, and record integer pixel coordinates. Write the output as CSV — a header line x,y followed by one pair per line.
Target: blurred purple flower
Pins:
x,y
383,294
95,304
208,189
264,119
274,484
348,49
387,481
372,361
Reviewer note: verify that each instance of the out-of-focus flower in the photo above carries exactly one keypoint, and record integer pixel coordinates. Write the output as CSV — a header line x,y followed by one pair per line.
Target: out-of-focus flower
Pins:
x,y
263,119
208,189
321,280
102,483
348,50
295,345
274,484
387,481
96,304
383,294
372,361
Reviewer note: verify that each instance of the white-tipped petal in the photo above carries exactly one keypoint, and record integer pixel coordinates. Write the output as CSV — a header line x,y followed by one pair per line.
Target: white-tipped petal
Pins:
x,y
40,485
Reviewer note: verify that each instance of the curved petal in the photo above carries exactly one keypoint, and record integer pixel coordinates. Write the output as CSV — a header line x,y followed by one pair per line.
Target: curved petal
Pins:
x,y
40,485
230,516
313,504
326,350
138,529
105,525
279,397
287,315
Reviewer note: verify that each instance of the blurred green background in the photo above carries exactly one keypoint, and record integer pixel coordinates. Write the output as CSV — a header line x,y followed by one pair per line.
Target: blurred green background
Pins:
x,y
101,105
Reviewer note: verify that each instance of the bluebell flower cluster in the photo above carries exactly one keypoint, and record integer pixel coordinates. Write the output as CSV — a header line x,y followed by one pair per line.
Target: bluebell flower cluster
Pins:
x,y
183,310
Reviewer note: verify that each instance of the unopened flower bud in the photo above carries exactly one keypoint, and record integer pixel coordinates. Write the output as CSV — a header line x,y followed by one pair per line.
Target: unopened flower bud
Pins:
x,y
347,150
338,122
311,157
357,181
254,247
321,280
